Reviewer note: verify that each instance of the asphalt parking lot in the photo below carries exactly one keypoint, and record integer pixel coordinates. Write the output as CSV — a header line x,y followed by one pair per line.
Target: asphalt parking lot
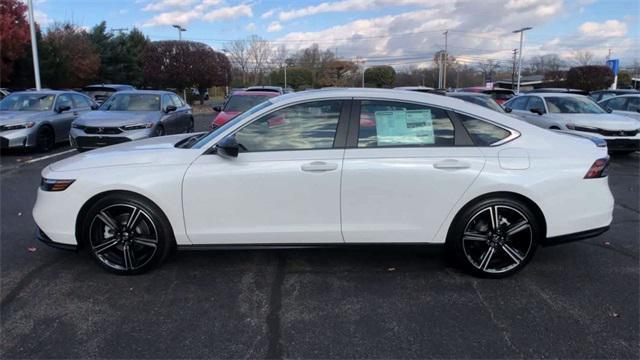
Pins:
x,y
578,300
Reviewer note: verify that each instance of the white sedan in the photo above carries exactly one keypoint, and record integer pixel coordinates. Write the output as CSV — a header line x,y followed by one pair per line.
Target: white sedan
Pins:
x,y
329,167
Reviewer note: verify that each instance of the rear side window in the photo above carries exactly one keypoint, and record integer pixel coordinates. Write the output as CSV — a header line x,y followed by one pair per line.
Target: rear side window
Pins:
x,y
483,133
618,103
518,103
386,124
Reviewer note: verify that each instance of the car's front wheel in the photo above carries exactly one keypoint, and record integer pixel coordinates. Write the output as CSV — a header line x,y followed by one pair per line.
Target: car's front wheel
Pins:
x,y
126,234
495,237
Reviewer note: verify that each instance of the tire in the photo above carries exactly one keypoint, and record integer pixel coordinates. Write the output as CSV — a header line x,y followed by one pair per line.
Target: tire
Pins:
x,y
485,250
45,139
160,131
190,128
126,234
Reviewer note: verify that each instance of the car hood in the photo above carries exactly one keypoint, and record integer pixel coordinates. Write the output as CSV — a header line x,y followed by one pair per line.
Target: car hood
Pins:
x,y
116,118
223,117
602,121
15,117
152,151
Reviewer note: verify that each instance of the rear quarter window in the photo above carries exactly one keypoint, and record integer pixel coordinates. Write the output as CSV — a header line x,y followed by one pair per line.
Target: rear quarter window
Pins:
x,y
483,133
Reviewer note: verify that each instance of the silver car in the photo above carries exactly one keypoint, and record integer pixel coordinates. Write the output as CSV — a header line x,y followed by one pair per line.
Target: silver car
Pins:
x,y
626,105
39,119
580,114
132,115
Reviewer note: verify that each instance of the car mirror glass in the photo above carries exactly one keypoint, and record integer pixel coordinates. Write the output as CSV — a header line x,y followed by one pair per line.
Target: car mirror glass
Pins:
x,y
217,108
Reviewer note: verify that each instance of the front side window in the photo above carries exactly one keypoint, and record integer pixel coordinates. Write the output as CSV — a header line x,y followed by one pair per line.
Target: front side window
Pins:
x,y
64,100
519,103
132,102
482,132
306,126
386,123
81,101
535,103
573,105
176,101
27,102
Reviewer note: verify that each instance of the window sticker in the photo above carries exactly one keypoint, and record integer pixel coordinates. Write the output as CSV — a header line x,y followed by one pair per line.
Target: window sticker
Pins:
x,y
404,127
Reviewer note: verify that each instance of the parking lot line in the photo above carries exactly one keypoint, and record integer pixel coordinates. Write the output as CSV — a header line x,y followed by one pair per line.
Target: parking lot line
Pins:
x,y
48,156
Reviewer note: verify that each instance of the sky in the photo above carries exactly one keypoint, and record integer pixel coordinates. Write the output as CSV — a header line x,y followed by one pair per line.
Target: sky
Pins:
x,y
396,32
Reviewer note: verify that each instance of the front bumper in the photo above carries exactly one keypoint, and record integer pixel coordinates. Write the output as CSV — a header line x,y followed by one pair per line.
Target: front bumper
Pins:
x,y
17,138
82,140
617,144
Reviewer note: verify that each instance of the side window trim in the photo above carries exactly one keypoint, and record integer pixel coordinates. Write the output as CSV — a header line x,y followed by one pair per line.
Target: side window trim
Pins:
x,y
342,118
514,133
354,124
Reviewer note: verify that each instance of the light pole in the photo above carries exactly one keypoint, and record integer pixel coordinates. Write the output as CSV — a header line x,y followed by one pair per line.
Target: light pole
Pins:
x,y
521,31
34,45
180,30
285,75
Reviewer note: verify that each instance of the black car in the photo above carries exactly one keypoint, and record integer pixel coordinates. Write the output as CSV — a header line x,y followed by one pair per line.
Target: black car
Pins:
x,y
101,92
599,95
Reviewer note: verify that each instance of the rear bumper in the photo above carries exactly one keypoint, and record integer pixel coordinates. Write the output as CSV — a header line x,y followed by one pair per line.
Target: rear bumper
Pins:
x,y
42,237
556,240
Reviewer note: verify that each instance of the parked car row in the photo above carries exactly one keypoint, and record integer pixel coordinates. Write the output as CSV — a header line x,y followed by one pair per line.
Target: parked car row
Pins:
x,y
40,119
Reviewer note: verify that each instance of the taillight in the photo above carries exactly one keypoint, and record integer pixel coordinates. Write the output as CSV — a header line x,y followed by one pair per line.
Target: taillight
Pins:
x,y
599,169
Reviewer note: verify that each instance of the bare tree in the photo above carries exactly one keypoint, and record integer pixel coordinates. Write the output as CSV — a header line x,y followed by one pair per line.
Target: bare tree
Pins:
x,y
583,57
240,57
259,53
488,69
279,57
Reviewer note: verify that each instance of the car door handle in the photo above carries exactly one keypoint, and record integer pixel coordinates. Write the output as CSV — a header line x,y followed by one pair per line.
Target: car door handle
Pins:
x,y
319,166
451,164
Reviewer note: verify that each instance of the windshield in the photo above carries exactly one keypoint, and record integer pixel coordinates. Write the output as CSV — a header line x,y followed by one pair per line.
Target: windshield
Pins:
x,y
484,101
573,105
240,103
132,102
27,102
202,142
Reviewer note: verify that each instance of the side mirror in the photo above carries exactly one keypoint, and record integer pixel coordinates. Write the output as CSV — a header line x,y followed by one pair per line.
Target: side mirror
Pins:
x,y
228,147
508,109
63,108
537,111
95,107
170,108
217,108
609,110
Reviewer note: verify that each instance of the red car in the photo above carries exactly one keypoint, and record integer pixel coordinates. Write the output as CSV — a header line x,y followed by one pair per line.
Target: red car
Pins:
x,y
239,102
498,95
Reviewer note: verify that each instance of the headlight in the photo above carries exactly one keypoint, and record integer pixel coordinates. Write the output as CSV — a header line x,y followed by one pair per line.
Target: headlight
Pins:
x,y
137,126
77,126
55,184
25,125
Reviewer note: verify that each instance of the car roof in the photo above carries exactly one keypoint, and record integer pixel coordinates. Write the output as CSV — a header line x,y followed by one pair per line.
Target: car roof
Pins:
x,y
623,96
46,92
150,92
467,93
254,93
413,88
114,86
552,94
617,91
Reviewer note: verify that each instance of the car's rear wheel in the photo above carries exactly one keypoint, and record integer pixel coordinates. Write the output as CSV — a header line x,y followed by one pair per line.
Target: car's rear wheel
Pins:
x,y
45,139
127,234
495,237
